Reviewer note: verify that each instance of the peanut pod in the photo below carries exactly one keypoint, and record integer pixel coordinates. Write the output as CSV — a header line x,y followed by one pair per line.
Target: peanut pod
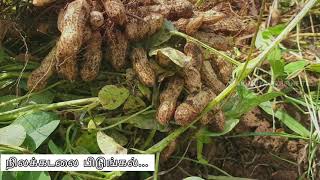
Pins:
x,y
192,107
142,67
137,29
115,11
40,76
210,79
168,100
191,71
73,25
117,48
92,58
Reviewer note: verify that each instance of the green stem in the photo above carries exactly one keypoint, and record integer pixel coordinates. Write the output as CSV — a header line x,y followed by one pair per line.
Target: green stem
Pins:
x,y
9,115
205,164
149,139
210,49
7,75
14,149
86,176
18,99
156,169
125,120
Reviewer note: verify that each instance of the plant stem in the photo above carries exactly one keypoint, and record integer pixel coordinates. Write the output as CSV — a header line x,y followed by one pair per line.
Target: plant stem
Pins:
x,y
124,120
14,149
155,174
18,99
10,115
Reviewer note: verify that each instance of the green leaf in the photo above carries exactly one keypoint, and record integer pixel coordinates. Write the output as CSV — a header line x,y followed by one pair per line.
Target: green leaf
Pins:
x,y
95,121
273,31
133,104
262,43
54,148
314,67
8,175
265,36
108,145
111,97
34,175
229,125
144,90
245,101
142,121
67,177
277,64
13,134
174,55
286,119
10,106
163,35
294,68
118,137
42,98
38,125
88,141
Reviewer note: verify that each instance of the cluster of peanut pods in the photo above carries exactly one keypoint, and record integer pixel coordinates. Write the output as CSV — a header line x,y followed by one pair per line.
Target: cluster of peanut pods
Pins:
x,y
105,29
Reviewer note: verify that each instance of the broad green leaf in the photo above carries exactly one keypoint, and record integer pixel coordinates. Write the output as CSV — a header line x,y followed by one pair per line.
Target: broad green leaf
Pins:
x,y
54,148
273,31
88,141
143,121
38,125
294,68
174,55
276,62
108,145
228,126
10,106
111,97
245,101
133,104
34,175
13,134
286,119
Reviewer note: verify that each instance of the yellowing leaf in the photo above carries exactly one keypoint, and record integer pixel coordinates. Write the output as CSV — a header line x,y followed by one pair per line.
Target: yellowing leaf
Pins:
x,y
12,135
174,55
108,145
111,97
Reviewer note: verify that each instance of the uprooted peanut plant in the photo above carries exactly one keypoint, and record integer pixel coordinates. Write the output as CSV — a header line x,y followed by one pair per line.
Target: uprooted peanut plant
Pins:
x,y
211,87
